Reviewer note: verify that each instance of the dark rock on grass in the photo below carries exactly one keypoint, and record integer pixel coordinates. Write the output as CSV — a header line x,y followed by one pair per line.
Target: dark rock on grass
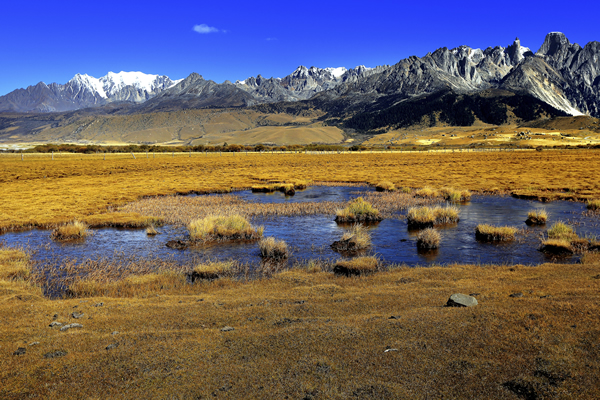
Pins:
x,y
69,326
519,294
20,351
461,300
55,323
112,346
55,354
227,329
98,304
178,244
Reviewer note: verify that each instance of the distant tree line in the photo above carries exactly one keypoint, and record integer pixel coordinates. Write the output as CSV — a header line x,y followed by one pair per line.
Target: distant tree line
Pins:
x,y
91,149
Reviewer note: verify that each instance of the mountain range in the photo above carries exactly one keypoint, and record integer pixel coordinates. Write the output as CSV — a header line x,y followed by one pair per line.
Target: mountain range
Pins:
x,y
450,86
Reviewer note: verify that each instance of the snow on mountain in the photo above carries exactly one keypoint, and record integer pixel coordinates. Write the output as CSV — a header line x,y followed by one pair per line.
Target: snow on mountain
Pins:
x,y
112,83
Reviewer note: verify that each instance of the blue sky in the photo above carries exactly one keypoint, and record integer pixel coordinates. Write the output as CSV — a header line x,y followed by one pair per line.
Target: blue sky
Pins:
x,y
52,41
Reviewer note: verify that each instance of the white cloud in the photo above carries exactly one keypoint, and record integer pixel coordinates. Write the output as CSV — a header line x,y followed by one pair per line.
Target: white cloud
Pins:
x,y
203,28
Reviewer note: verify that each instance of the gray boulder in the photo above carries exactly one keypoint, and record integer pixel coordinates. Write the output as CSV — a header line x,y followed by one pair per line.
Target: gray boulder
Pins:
x,y
461,300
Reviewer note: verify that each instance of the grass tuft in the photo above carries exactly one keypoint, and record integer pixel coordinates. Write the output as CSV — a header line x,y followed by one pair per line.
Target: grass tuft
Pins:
x,y
151,231
537,217
273,249
71,231
356,266
560,230
358,210
427,193
428,239
490,233
593,205
385,186
213,270
427,217
358,238
557,246
219,228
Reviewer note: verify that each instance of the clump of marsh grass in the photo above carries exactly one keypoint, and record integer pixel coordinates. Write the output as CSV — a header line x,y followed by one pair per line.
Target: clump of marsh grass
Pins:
x,y
560,230
219,228
406,189
212,270
151,231
71,231
427,193
358,238
263,188
557,246
536,217
273,249
428,239
385,186
427,217
358,210
490,233
287,188
593,205
455,195
14,264
356,266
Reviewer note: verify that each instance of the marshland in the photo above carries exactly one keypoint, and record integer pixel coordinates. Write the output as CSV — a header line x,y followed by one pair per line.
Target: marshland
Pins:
x,y
261,261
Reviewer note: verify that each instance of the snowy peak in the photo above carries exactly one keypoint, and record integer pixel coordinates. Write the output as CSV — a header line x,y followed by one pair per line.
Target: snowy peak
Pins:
x,y
113,84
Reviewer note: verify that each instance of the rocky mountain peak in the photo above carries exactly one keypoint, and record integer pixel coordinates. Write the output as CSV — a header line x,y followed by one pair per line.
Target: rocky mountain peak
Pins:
x,y
554,42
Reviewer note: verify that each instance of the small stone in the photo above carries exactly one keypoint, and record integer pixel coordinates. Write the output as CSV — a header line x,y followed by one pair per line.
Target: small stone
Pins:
x,y
227,329
461,300
69,326
112,346
545,297
34,343
54,354
55,316
394,317
55,323
387,350
98,304
519,294
77,315
115,333
20,351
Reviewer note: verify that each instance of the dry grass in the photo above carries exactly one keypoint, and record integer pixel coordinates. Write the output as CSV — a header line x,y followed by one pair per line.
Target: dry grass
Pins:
x,y
358,210
428,239
14,264
221,227
385,186
454,195
490,233
560,230
537,217
213,270
130,286
41,192
273,249
303,335
593,205
424,217
71,231
427,192
151,231
557,246
356,239
359,266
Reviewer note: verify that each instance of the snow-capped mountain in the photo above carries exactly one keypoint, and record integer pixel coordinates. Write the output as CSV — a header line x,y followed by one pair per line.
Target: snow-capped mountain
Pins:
x,y
86,91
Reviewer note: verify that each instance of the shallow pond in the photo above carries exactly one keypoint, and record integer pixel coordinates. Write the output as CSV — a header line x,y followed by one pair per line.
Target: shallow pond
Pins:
x,y
311,236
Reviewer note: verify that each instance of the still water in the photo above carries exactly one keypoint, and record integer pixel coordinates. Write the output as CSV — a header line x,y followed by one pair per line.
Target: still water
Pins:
x,y
310,236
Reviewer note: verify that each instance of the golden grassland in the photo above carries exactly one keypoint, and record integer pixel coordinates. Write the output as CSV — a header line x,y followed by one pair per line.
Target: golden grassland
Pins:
x,y
41,192
309,333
